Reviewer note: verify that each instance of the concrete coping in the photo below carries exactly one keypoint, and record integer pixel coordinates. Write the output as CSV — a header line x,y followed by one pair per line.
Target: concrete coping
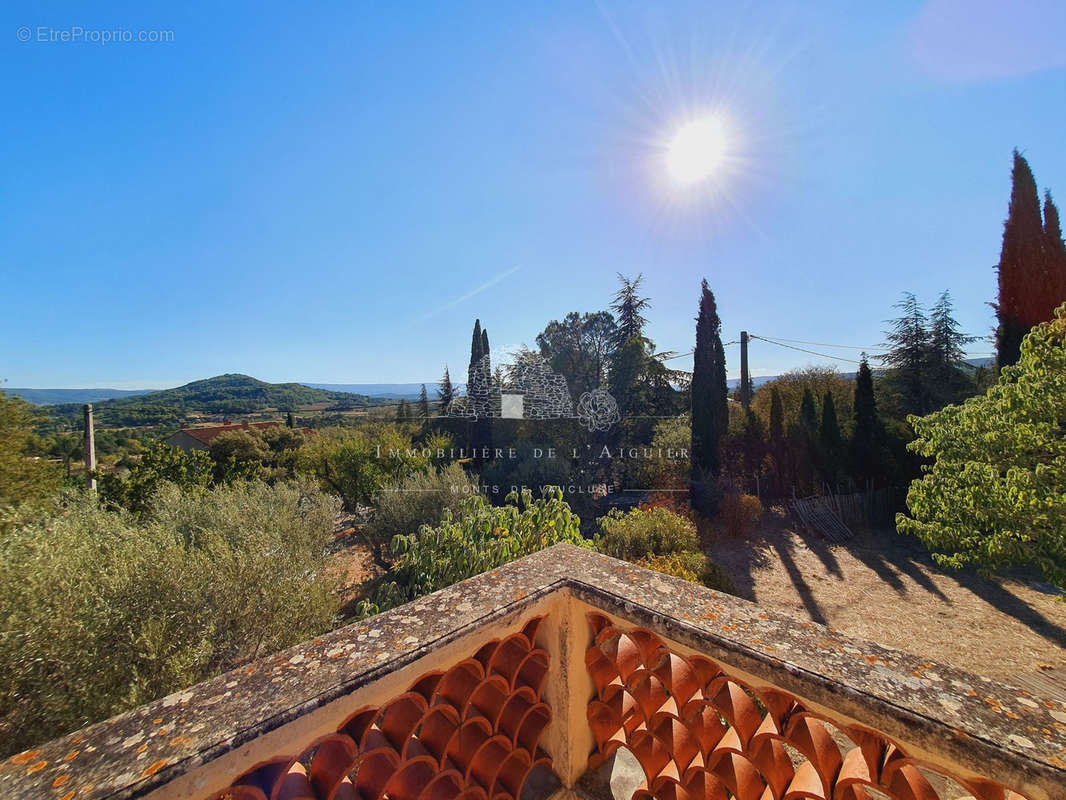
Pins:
x,y
1004,733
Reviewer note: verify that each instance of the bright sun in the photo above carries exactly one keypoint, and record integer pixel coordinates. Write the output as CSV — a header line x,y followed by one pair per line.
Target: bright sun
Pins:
x,y
697,150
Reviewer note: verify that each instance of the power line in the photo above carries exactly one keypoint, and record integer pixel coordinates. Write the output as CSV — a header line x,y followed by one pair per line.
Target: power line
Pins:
x,y
827,344
804,350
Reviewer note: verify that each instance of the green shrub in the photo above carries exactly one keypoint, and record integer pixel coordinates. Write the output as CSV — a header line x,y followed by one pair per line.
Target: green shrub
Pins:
x,y
357,464
692,567
159,464
642,533
101,611
479,537
405,506
739,514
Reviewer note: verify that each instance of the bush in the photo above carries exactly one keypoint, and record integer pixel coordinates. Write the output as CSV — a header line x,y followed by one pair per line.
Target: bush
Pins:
x,y
739,514
644,533
692,567
357,464
479,538
405,506
101,611
158,465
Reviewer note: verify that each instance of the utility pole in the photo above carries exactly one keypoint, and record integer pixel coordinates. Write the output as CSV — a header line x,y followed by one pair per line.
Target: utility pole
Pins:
x,y
745,379
90,449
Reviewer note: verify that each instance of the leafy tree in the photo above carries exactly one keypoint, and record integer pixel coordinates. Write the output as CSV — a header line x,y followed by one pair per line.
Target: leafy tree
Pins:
x,y
710,409
356,465
995,493
445,394
158,465
1023,292
67,447
102,611
909,342
867,433
23,478
579,348
479,538
239,455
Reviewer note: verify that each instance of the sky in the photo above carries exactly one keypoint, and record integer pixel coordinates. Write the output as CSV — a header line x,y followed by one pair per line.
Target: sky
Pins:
x,y
333,192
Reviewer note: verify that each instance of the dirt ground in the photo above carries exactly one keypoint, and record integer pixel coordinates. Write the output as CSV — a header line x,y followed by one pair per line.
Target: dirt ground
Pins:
x,y
884,587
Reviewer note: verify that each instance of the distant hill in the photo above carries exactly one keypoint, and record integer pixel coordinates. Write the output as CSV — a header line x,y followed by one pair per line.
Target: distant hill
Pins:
x,y
393,391
48,397
230,394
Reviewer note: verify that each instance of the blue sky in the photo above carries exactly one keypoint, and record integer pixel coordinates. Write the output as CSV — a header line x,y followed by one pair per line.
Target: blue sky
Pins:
x,y
333,192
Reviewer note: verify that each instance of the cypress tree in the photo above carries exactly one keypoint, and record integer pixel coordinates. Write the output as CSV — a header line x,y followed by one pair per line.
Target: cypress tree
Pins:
x,y
1022,271
1054,254
445,394
484,342
777,417
476,343
710,410
829,439
423,403
808,414
290,420
866,437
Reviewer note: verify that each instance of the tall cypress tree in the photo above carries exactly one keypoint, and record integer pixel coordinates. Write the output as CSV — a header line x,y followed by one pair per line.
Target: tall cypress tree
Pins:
x,y
1054,254
866,436
829,440
476,343
808,413
445,394
423,403
1022,270
484,342
777,416
710,409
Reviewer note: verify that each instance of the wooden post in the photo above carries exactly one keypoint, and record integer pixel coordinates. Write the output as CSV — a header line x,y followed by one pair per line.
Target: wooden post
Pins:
x,y
745,379
90,449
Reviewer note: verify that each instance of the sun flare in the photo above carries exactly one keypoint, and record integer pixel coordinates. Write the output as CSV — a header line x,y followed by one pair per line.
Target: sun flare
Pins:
x,y
697,150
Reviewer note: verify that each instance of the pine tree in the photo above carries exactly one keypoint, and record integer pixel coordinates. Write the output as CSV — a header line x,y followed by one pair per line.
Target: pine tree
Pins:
x,y
1054,254
1022,268
909,344
945,380
710,410
628,305
423,403
445,394
866,436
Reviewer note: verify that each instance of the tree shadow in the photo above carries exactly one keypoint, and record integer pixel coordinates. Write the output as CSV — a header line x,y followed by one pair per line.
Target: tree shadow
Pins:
x,y
893,558
908,555
784,552
993,593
